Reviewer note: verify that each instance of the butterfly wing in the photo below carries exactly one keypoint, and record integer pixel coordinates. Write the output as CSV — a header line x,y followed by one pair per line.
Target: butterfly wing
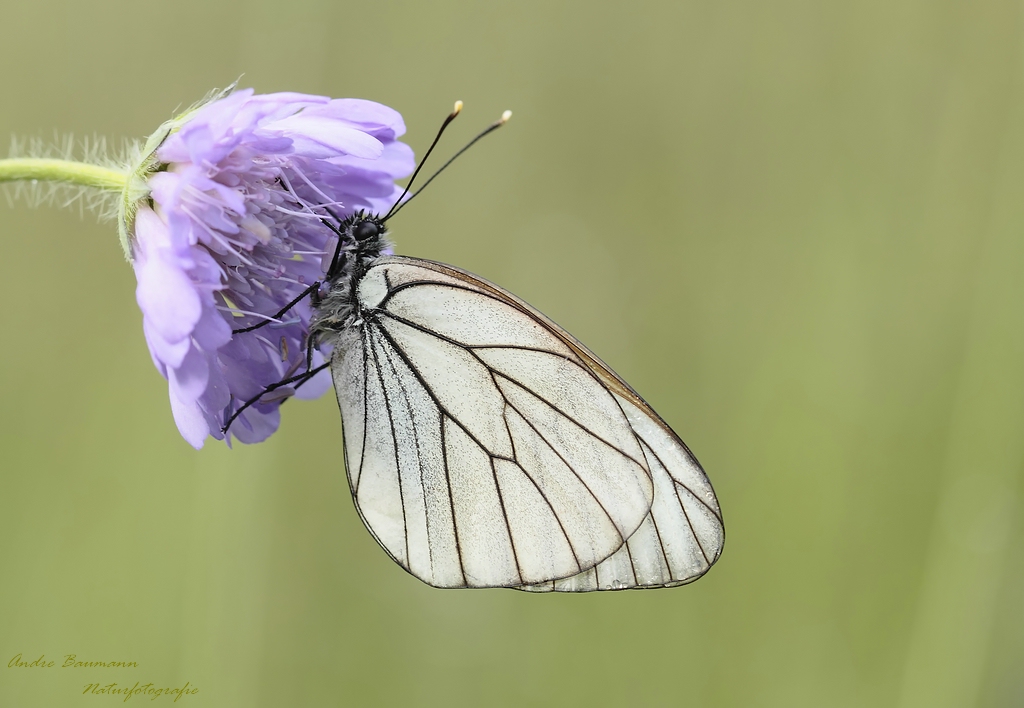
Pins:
x,y
682,536
480,451
486,447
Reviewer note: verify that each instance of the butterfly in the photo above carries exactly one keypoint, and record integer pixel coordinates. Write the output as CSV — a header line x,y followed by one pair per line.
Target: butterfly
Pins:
x,y
485,446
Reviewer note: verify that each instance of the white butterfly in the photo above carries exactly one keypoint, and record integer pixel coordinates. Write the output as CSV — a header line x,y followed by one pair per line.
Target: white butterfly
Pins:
x,y
487,447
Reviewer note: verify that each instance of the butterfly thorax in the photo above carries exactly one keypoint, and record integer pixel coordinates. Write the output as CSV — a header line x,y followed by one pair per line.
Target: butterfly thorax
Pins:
x,y
336,307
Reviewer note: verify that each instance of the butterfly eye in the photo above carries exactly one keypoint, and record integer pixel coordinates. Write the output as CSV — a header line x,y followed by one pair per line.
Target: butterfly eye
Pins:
x,y
365,230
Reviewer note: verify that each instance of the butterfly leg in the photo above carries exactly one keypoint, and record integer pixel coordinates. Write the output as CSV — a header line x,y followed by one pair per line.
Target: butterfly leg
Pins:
x,y
311,290
310,346
301,378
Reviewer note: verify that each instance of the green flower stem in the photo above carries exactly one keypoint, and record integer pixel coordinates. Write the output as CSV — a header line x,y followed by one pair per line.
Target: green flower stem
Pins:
x,y
45,170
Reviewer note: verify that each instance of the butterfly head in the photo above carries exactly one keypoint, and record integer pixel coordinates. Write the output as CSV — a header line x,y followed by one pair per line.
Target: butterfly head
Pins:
x,y
366,229
361,239
363,230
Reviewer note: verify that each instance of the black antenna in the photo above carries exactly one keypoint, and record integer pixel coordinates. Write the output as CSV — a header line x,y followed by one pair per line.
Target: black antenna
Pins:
x,y
451,116
486,131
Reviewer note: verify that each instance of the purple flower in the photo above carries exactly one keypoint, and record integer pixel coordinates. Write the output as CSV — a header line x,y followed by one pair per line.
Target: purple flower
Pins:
x,y
231,235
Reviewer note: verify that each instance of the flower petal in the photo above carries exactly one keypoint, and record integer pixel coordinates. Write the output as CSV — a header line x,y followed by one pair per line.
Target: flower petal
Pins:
x,y
186,384
396,160
190,420
188,381
169,354
321,137
374,118
165,293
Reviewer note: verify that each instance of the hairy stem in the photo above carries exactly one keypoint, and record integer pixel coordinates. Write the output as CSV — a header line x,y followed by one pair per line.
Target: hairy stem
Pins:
x,y
46,170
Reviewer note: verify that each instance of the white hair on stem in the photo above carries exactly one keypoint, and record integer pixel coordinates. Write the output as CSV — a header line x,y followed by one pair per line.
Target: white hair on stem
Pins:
x,y
94,150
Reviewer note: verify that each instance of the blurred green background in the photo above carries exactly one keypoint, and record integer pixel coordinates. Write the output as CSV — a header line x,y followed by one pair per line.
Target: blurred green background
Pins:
x,y
796,227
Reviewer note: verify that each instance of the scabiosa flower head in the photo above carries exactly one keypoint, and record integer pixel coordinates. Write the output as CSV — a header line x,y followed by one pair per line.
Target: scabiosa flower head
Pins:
x,y
226,232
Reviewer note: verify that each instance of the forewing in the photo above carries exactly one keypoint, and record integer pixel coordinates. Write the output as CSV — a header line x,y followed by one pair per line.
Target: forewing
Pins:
x,y
482,450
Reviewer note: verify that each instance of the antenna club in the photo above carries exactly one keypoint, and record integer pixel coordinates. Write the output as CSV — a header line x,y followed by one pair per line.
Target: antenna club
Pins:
x,y
402,201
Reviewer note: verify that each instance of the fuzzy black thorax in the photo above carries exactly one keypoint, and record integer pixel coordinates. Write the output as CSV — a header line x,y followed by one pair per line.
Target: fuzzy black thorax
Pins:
x,y
361,240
